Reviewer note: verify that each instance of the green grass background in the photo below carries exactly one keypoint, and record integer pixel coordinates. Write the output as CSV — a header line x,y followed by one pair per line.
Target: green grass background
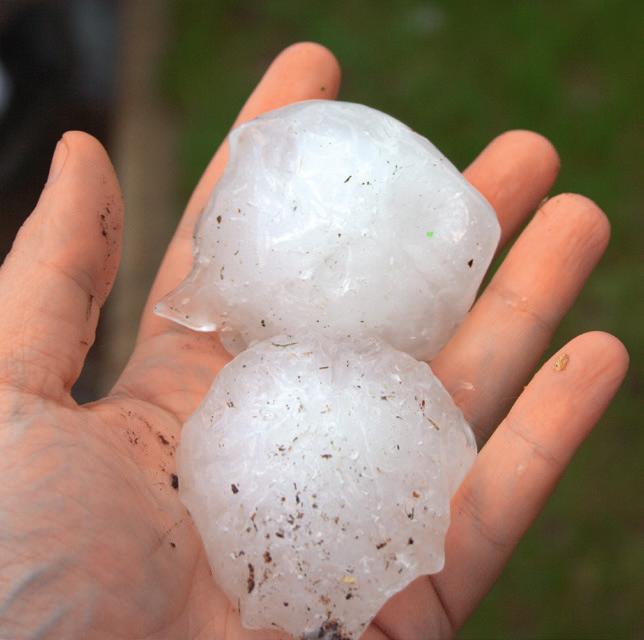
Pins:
x,y
460,73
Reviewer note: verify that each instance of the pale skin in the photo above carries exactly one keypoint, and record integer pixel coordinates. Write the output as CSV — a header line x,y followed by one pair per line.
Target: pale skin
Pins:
x,y
94,542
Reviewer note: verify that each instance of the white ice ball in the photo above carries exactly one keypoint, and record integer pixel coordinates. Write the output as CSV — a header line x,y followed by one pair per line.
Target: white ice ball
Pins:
x,y
319,475
336,217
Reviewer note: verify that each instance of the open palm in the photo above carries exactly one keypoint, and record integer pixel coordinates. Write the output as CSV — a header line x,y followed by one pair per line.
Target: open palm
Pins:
x,y
94,542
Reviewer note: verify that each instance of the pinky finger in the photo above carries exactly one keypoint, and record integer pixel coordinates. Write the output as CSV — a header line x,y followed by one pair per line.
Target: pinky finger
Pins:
x,y
521,463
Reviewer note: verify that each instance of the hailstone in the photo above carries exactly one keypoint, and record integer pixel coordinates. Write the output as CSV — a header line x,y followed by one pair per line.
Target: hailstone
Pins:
x,y
319,474
337,217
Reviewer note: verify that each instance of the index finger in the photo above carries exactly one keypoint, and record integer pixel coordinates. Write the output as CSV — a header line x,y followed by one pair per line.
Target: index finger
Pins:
x,y
172,365
303,71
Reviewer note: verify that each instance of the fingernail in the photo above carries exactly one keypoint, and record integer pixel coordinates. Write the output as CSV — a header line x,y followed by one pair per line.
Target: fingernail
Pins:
x,y
57,162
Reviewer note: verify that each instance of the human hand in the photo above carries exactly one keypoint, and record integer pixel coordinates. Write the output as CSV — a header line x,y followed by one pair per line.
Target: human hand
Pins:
x,y
95,541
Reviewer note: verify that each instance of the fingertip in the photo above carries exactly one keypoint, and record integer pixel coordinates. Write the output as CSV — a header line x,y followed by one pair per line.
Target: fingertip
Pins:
x,y
533,149
88,152
83,141
581,213
588,370
537,145
602,351
91,156
312,65
311,51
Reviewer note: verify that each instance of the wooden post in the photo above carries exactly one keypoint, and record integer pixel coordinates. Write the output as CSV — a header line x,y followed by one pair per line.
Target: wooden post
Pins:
x,y
145,158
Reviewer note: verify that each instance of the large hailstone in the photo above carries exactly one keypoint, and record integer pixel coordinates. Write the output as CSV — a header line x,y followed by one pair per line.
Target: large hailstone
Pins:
x,y
319,475
337,217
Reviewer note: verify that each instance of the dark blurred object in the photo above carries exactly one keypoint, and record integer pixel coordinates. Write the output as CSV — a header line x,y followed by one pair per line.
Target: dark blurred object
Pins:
x,y
57,69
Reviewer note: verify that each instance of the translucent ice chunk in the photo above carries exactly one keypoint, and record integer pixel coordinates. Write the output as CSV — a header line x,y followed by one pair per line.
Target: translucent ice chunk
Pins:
x,y
319,475
337,217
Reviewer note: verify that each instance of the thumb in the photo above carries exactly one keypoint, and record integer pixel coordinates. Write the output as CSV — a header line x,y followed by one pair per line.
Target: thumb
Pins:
x,y
60,271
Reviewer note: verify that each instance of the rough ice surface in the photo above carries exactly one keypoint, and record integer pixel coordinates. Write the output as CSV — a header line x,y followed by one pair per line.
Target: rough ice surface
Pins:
x,y
337,217
319,474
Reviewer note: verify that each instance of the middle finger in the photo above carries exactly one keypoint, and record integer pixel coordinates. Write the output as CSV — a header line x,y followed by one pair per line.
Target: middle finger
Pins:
x,y
485,365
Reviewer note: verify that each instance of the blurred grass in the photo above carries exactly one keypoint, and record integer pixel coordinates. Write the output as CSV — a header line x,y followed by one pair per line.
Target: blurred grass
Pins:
x,y
462,72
